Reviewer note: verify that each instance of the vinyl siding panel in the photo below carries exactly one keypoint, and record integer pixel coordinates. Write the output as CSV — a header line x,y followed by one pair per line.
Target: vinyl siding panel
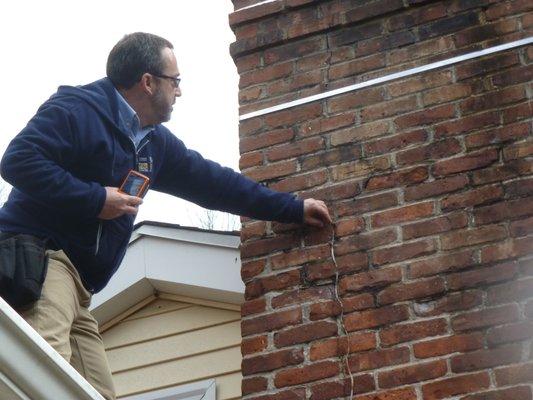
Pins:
x,y
169,343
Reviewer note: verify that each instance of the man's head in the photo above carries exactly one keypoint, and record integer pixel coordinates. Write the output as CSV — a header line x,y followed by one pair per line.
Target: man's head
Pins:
x,y
142,66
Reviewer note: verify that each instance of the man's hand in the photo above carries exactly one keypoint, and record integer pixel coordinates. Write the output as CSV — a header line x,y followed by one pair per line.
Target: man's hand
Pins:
x,y
316,213
117,204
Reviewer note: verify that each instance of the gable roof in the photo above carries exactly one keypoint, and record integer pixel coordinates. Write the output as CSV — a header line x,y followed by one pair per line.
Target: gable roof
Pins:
x,y
172,259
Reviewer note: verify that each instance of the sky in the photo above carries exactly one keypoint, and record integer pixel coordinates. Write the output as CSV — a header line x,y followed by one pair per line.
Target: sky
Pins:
x,y
58,42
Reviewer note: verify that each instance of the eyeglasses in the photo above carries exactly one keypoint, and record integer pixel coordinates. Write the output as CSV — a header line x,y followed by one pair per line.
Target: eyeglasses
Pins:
x,y
175,81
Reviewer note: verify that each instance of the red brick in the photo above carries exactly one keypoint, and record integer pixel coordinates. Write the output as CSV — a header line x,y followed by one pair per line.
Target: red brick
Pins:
x,y
337,388
254,385
435,188
377,359
450,303
365,241
305,333
360,168
502,9
376,317
294,115
260,286
258,11
296,82
514,374
485,32
308,373
438,45
473,197
250,126
366,11
507,250
300,182
412,374
398,179
333,308
425,117
446,94
303,295
515,393
265,74
398,394
292,394
320,60
349,263
472,236
254,345
412,331
408,291
448,25
466,163
485,318
448,345
248,160
486,65
370,279
510,333
482,359
513,291
250,269
326,124
271,361
388,108
403,214
361,132
356,67
498,135
518,150
456,385
493,100
299,257
349,226
403,252
291,150
466,124
521,227
271,322
294,50
503,210
519,188
391,143
435,225
417,16
511,169
420,82
442,263
481,277
327,158
272,170
250,307
361,205
348,101
246,63
517,112
334,192
340,346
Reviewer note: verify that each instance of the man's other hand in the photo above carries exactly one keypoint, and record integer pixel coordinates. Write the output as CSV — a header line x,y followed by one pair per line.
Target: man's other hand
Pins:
x,y
316,213
117,204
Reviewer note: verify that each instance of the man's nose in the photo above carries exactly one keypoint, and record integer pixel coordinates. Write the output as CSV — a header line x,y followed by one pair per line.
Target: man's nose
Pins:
x,y
178,92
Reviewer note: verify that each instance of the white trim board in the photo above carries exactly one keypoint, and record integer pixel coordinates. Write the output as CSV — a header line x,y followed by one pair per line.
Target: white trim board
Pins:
x,y
390,77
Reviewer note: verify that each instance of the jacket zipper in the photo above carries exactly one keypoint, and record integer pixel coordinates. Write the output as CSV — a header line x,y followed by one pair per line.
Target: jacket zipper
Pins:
x,y
98,235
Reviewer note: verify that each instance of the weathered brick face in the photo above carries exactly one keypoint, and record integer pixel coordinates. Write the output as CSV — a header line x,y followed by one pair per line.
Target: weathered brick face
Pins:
x,y
429,180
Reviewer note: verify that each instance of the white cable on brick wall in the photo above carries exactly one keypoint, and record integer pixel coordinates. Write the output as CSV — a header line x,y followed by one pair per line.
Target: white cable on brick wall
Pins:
x,y
390,77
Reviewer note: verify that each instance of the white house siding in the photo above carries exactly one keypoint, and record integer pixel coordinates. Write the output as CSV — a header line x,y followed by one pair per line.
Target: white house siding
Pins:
x,y
169,343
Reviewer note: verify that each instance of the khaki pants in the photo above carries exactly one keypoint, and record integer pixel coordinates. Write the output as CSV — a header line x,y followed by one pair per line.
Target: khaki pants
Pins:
x,y
62,318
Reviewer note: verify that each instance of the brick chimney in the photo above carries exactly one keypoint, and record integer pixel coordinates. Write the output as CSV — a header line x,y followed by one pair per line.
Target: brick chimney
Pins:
x,y
422,289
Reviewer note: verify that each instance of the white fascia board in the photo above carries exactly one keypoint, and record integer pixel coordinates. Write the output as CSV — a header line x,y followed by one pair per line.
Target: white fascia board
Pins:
x,y
31,366
205,390
186,235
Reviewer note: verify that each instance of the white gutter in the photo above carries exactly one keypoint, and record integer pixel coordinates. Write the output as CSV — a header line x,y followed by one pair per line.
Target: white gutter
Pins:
x,y
31,369
390,77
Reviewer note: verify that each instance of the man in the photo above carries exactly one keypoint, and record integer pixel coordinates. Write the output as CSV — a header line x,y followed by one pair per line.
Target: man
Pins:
x,y
66,167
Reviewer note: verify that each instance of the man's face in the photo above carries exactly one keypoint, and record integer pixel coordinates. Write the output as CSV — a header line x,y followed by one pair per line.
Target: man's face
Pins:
x,y
166,89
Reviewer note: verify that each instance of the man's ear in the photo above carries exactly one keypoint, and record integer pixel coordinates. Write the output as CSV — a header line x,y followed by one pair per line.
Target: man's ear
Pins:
x,y
147,84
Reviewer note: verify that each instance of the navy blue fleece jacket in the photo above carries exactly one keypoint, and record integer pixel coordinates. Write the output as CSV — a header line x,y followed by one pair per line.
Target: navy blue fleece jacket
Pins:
x,y
75,146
